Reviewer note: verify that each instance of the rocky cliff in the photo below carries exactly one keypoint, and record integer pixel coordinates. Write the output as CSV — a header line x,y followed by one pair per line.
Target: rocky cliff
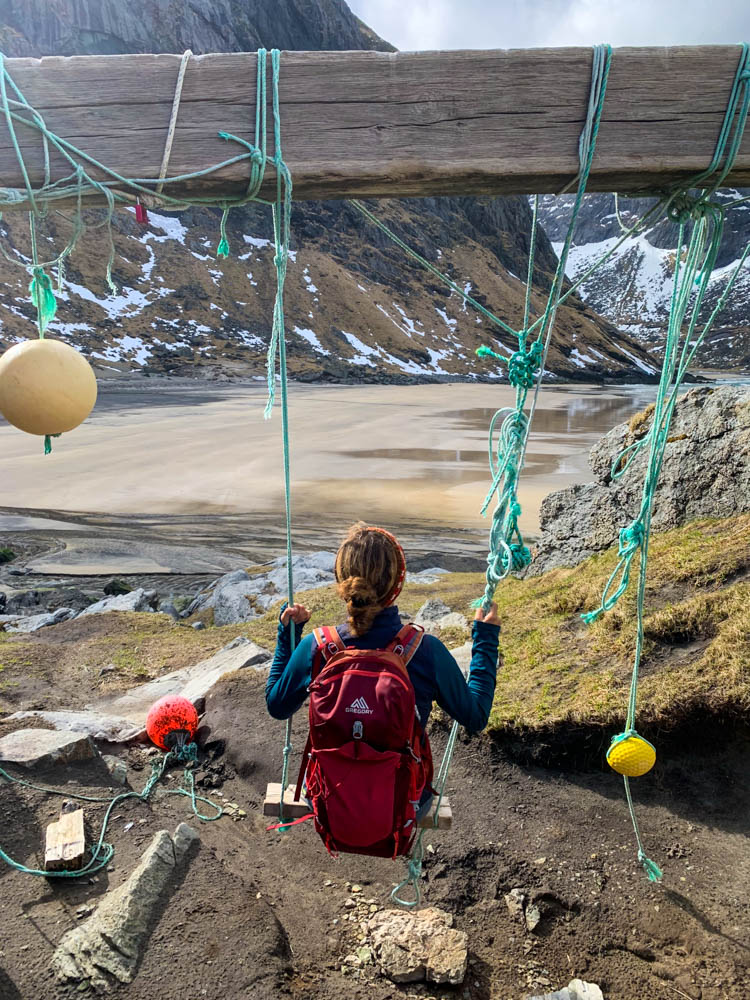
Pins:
x,y
634,287
706,473
356,308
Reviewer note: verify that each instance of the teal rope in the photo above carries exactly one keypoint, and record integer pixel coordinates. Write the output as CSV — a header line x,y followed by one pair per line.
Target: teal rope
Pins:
x,y
414,862
103,852
507,550
690,284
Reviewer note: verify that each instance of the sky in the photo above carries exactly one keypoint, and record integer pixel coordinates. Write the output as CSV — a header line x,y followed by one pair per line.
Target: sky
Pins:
x,y
501,24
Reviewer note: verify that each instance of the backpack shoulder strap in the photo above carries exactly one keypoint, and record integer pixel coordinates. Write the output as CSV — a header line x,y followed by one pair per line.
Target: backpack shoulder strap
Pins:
x,y
407,642
329,642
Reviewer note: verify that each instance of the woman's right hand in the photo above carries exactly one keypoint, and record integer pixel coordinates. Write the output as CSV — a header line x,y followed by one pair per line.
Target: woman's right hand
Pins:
x,y
491,617
298,613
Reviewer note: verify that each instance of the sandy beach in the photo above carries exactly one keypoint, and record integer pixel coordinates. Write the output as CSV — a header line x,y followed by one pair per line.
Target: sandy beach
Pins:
x,y
388,453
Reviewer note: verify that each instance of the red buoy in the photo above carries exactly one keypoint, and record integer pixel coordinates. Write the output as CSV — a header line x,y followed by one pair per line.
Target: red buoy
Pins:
x,y
171,721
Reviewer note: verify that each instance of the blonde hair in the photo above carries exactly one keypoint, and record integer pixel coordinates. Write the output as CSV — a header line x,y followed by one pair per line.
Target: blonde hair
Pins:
x,y
367,571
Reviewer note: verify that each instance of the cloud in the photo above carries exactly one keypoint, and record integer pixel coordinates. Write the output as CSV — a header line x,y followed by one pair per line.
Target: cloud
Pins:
x,y
488,24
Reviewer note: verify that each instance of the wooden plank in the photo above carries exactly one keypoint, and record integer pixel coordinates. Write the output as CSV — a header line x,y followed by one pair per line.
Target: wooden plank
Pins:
x,y
392,124
66,841
294,810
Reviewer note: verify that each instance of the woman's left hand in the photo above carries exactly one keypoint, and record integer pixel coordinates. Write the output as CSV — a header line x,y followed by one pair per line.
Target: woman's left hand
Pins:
x,y
297,613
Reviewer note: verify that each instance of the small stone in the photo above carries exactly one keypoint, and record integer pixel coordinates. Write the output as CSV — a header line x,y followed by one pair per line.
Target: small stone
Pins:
x,y
349,904
533,917
356,888
198,626
514,900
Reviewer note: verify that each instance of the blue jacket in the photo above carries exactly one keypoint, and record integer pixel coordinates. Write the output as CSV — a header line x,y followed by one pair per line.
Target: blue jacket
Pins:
x,y
434,673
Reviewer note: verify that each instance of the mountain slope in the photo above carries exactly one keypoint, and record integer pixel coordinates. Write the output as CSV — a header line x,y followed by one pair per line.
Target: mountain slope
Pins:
x,y
356,308
633,288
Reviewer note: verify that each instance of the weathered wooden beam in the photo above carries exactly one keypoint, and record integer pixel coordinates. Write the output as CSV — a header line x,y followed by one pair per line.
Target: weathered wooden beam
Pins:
x,y
392,124
294,810
66,841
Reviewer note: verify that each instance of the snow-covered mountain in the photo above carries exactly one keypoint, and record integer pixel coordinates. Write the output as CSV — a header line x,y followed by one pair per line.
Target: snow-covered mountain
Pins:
x,y
634,286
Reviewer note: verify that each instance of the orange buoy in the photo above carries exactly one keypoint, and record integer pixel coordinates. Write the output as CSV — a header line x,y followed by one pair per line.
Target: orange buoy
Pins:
x,y
46,387
172,721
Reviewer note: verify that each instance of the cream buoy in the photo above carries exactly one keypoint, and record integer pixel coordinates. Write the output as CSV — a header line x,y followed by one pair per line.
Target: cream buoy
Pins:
x,y
46,387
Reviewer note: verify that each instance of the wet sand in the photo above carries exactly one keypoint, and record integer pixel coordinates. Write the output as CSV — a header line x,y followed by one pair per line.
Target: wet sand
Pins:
x,y
384,453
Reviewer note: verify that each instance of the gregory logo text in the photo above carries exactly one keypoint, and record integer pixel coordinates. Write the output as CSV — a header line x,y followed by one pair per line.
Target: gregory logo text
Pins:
x,y
360,707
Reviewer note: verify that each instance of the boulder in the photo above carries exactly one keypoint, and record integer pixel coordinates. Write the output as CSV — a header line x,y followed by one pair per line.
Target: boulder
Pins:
x,y
23,603
108,946
32,623
115,587
577,989
42,747
434,615
706,473
240,596
192,682
67,597
100,727
135,600
412,947
3,600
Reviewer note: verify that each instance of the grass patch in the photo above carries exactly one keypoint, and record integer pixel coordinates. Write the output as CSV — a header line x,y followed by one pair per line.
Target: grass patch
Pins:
x,y
6,556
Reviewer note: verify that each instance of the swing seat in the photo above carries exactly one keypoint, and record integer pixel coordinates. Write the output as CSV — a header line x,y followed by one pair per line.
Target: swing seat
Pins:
x,y
295,810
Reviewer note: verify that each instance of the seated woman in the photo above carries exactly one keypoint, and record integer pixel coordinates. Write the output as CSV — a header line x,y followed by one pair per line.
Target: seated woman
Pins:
x,y
370,569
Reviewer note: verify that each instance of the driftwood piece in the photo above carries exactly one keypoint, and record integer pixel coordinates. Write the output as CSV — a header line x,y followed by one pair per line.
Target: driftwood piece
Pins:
x,y
391,124
66,840
293,810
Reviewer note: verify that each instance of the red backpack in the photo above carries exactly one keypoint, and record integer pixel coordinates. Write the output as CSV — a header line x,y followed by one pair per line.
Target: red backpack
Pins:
x,y
367,761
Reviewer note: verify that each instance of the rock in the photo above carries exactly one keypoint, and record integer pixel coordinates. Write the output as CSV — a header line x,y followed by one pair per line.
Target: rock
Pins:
x,y
67,597
462,656
706,473
426,575
192,682
23,602
411,947
33,623
109,944
229,599
434,614
168,608
198,626
577,989
108,668
115,587
100,727
533,917
3,599
240,596
449,562
135,600
117,768
42,747
515,900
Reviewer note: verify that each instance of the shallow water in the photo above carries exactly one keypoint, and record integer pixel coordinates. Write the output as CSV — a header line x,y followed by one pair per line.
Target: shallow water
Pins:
x,y
395,454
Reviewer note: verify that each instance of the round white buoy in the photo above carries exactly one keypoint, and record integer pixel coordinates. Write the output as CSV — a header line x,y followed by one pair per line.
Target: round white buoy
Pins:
x,y
46,387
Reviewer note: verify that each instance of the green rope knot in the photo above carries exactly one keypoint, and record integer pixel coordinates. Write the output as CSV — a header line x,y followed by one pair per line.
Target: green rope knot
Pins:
x,y
48,443
523,366
185,752
43,298
631,538
685,207
650,867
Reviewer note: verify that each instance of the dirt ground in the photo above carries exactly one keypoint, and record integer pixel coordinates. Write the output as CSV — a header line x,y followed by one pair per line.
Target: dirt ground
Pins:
x,y
264,914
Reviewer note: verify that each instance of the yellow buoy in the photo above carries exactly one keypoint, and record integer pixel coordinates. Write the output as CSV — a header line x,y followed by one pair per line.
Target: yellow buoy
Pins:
x,y
46,387
631,755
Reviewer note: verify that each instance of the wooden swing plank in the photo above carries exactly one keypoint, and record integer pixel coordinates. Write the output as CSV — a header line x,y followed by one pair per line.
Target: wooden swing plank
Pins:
x,y
66,841
295,810
390,124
